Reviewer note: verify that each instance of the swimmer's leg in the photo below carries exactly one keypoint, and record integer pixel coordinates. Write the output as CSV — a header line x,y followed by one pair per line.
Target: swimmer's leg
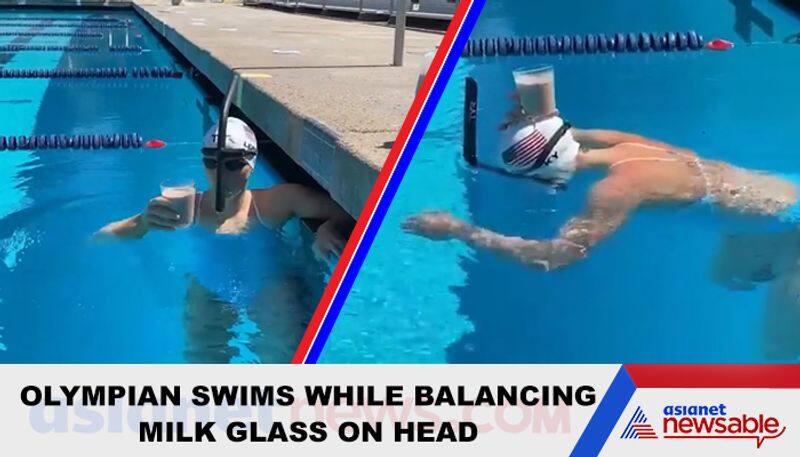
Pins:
x,y
782,318
281,310
744,260
207,321
759,194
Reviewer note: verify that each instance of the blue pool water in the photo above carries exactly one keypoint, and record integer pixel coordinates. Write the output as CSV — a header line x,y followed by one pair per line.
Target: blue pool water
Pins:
x,y
647,294
188,296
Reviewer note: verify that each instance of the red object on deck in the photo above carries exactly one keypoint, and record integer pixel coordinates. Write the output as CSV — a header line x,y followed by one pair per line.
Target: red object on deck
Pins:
x,y
155,144
719,45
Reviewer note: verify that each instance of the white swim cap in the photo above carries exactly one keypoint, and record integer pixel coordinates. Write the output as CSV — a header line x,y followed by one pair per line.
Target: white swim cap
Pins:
x,y
239,136
527,148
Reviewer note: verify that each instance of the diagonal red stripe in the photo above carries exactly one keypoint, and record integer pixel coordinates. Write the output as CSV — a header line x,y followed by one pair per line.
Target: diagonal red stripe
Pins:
x,y
378,188
785,376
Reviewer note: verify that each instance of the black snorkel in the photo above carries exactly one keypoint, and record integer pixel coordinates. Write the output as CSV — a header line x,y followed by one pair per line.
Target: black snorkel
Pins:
x,y
470,144
222,138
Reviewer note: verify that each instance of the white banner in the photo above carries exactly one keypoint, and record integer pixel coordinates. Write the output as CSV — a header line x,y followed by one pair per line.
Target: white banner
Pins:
x,y
403,409
394,410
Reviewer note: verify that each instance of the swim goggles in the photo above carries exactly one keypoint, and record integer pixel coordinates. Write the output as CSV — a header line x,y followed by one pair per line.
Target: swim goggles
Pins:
x,y
232,159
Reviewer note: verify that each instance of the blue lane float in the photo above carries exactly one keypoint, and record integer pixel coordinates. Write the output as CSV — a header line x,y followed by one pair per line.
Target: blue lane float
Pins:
x,y
76,25
156,72
66,19
92,141
596,43
122,48
27,73
49,47
54,34
101,73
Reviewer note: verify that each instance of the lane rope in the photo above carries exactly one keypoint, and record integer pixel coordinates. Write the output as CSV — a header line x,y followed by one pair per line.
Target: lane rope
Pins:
x,y
584,44
96,141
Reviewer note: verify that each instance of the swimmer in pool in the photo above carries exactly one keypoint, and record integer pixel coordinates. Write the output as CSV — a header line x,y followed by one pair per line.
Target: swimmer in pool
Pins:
x,y
244,208
638,172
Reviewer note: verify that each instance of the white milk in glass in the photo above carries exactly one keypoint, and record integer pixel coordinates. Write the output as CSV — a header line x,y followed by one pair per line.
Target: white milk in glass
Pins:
x,y
182,196
536,89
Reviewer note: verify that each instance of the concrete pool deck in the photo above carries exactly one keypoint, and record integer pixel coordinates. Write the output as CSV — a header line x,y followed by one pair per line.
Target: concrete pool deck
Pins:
x,y
322,88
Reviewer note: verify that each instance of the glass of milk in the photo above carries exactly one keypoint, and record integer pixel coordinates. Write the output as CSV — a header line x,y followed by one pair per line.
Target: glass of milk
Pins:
x,y
180,192
537,90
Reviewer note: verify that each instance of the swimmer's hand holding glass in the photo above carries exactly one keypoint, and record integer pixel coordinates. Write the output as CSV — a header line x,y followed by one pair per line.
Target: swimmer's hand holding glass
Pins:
x,y
173,209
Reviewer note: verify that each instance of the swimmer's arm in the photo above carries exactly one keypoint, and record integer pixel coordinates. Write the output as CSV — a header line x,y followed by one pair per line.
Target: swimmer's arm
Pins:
x,y
545,255
158,215
606,212
132,227
599,139
610,202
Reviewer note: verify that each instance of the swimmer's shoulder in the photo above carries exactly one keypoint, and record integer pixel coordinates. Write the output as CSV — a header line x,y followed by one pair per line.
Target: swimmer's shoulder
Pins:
x,y
277,193
270,204
644,150
266,195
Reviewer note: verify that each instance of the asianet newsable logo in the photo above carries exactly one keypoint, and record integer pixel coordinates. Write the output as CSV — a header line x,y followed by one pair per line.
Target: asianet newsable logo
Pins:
x,y
638,427
705,422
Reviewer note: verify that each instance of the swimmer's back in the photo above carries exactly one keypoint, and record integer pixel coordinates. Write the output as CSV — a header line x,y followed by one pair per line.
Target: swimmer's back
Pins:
x,y
655,173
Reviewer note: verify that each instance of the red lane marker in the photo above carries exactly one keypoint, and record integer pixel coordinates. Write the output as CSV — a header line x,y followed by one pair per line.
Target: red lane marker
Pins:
x,y
719,45
155,144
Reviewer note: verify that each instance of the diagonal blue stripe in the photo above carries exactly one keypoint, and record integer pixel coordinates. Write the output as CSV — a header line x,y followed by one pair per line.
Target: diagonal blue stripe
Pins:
x,y
394,181
605,416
